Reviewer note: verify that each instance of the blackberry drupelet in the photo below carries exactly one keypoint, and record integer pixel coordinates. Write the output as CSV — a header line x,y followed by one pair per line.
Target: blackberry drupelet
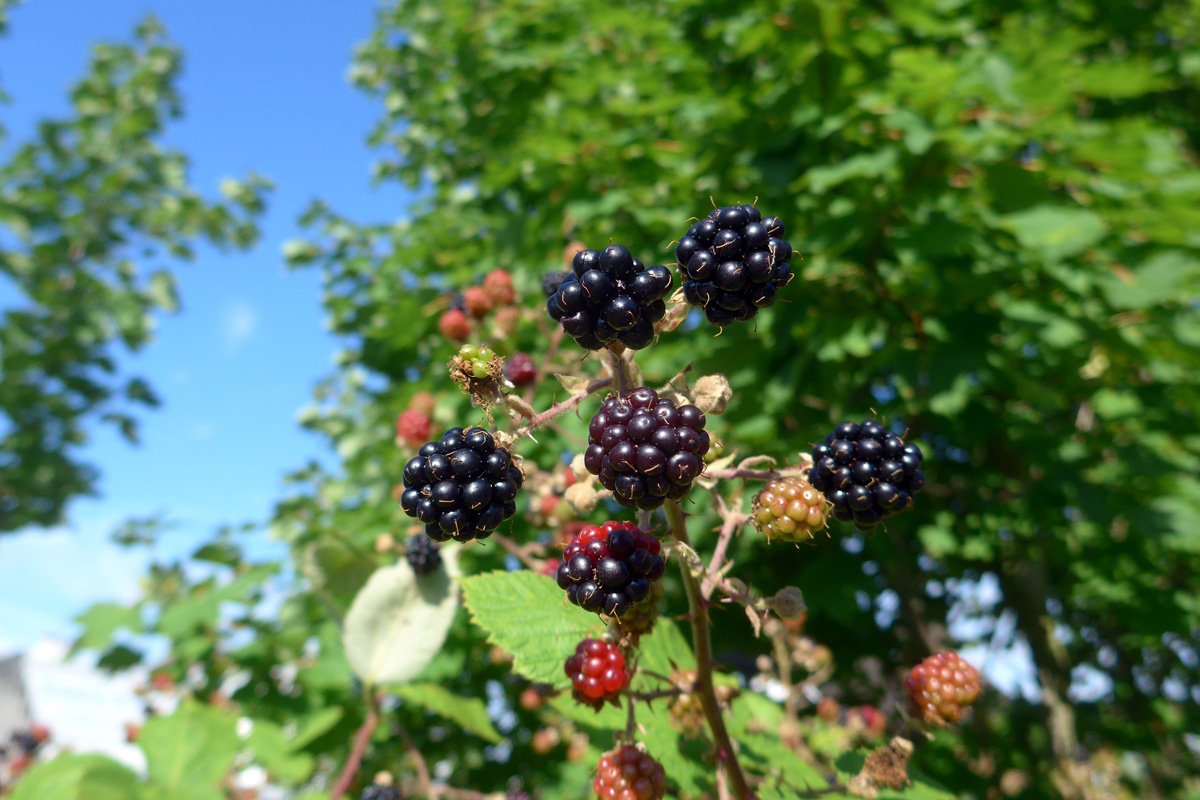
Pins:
x,y
461,487
866,472
598,673
940,688
645,449
610,568
733,263
422,554
610,296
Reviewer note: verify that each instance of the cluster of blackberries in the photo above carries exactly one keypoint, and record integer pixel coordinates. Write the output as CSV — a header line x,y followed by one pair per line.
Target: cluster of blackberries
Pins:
x,y
610,296
422,554
610,568
461,487
866,472
645,449
940,688
733,263
597,671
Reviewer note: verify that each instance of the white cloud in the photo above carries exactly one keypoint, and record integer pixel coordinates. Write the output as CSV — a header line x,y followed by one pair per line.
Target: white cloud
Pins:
x,y
238,324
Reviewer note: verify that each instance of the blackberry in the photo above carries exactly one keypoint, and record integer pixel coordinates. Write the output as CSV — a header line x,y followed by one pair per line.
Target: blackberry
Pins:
x,y
598,673
645,449
733,263
940,688
866,472
610,568
461,487
789,509
422,554
551,281
412,428
627,773
520,369
686,708
610,296
478,358
377,792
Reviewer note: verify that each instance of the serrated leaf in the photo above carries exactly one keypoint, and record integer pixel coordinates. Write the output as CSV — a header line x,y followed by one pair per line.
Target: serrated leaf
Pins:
x,y
102,620
754,724
73,777
189,752
469,713
664,651
527,616
397,622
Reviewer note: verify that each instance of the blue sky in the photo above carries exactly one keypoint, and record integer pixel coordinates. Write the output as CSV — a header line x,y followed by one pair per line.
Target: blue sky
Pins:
x,y
265,89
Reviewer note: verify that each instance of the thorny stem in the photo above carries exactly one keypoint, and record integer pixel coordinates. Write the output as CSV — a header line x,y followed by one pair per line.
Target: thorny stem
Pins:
x,y
424,779
704,663
562,407
733,521
361,740
622,380
754,474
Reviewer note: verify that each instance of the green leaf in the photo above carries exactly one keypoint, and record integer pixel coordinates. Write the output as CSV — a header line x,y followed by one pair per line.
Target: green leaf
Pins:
x,y
78,777
527,616
469,713
189,752
754,723
102,620
863,165
664,651
1056,232
397,622
276,754
315,725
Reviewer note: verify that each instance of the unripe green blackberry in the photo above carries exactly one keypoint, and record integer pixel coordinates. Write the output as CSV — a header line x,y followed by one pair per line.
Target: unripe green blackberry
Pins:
x,y
790,509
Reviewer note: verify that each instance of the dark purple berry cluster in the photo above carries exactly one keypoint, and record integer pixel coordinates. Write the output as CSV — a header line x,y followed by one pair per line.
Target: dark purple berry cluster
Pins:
x,y
610,568
422,554
461,487
866,472
645,449
610,296
733,263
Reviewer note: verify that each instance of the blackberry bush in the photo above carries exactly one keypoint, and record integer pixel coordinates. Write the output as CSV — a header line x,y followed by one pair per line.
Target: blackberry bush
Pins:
x,y
645,449
866,472
610,296
734,263
940,689
422,554
610,568
598,673
462,487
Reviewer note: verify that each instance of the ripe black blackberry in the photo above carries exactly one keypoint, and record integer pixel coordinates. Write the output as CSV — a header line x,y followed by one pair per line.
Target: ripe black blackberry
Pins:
x,y
733,263
377,792
610,296
610,568
461,487
866,472
645,449
422,554
551,281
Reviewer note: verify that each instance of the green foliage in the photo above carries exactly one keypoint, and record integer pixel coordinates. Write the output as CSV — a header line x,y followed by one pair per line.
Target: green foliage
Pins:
x,y
82,203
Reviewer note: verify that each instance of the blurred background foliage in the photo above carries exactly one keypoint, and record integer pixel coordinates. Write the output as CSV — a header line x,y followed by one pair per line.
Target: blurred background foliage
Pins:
x,y
997,209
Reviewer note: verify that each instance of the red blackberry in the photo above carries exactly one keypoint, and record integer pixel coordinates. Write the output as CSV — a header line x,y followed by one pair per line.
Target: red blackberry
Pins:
x,y
629,774
645,449
610,296
498,284
422,554
477,301
598,673
376,792
412,428
461,487
866,472
940,688
454,325
733,263
610,568
520,369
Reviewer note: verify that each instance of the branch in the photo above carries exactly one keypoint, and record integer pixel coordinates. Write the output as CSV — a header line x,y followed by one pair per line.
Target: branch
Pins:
x,y
622,380
755,474
704,664
361,740
733,522
560,408
522,553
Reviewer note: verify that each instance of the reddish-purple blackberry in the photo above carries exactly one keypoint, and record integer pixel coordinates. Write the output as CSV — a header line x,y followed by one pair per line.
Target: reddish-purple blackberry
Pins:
x,y
610,296
629,774
598,673
733,263
940,688
422,554
645,449
866,472
461,487
610,568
